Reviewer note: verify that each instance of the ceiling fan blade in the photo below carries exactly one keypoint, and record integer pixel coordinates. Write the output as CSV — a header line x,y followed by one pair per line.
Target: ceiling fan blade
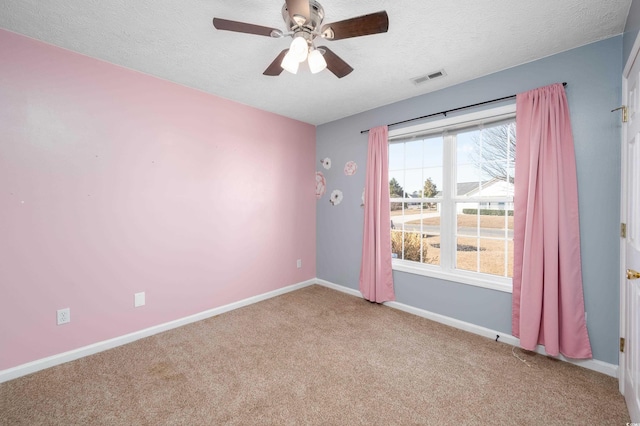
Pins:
x,y
275,68
241,27
373,23
298,10
335,64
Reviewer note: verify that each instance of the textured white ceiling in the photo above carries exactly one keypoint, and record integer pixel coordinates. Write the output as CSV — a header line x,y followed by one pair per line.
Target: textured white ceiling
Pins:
x,y
175,40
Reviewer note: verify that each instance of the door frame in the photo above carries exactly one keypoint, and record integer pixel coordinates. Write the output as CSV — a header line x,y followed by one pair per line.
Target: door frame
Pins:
x,y
633,56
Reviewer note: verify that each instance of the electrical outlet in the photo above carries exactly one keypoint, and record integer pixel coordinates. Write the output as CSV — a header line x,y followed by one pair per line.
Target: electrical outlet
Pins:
x,y
299,263
64,316
138,299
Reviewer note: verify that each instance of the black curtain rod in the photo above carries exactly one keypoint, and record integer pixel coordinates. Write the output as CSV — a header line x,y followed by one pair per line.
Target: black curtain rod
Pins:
x,y
451,110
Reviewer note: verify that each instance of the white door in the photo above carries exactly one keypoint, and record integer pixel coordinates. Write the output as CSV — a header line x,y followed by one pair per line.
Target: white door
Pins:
x,y
630,291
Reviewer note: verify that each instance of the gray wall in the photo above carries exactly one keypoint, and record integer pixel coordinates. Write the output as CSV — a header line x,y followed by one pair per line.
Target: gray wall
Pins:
x,y
593,74
631,30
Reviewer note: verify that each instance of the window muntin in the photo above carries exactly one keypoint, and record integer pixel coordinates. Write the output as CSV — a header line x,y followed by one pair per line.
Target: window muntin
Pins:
x,y
459,225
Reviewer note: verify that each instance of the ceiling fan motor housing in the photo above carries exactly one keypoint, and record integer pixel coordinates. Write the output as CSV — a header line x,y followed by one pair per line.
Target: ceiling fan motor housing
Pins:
x,y
308,29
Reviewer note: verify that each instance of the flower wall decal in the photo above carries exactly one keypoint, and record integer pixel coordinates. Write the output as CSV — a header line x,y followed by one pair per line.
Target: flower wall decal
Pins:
x,y
350,168
336,197
326,163
321,185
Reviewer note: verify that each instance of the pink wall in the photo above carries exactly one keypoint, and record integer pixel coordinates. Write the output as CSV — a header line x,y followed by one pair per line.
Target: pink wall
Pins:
x,y
114,182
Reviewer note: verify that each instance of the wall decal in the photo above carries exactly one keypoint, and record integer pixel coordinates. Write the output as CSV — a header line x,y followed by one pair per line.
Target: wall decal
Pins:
x,y
350,168
321,185
326,163
336,197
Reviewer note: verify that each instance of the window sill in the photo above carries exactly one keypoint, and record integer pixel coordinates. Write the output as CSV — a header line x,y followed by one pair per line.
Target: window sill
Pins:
x,y
493,283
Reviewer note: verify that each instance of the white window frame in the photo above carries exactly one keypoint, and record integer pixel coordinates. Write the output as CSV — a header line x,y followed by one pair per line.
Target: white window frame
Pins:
x,y
447,221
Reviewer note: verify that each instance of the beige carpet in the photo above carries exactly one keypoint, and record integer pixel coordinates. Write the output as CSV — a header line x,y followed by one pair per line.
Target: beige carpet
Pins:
x,y
313,356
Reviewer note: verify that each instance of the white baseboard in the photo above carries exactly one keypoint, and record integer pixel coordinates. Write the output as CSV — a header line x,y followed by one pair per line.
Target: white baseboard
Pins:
x,y
338,287
591,364
41,364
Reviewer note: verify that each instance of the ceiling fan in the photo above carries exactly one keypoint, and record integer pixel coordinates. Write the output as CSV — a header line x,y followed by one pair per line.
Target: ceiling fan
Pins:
x,y
303,21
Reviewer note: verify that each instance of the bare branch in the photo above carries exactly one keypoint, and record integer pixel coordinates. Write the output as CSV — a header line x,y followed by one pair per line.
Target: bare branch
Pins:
x,y
495,151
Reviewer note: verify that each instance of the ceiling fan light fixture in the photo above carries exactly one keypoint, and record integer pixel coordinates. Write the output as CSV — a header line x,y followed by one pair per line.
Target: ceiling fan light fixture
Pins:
x,y
304,23
290,63
299,48
317,62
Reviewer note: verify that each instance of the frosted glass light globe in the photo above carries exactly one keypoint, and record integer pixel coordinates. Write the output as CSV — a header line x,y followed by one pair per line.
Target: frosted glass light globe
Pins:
x,y
290,63
299,48
316,61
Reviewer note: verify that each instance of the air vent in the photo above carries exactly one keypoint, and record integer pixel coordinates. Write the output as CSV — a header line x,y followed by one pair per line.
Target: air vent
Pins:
x,y
428,77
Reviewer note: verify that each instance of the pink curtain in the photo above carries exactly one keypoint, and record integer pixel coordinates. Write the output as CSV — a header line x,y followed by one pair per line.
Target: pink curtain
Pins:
x,y
548,303
376,275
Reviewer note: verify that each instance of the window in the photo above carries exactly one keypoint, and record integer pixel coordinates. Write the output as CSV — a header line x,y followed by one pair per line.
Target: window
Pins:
x,y
451,189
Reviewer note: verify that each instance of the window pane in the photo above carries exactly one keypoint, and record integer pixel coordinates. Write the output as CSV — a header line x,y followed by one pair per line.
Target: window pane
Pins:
x,y
396,244
498,224
396,184
468,219
397,216
431,249
431,216
468,170
413,183
397,211
413,154
497,149
416,247
496,187
433,152
430,221
467,254
433,165
492,260
432,185
496,257
406,245
396,156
